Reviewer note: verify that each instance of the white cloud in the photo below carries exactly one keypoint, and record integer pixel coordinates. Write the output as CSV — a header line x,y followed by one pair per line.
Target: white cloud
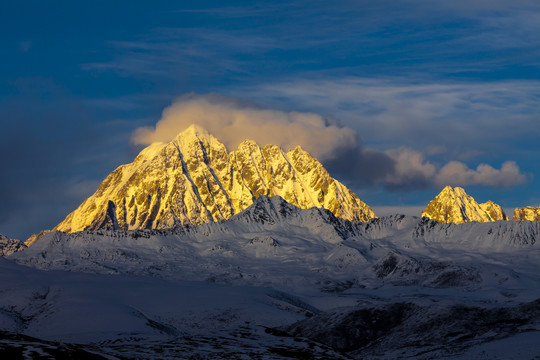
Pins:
x,y
413,170
457,173
233,121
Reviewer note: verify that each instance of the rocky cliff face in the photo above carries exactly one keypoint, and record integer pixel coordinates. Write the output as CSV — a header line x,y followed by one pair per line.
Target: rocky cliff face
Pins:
x,y
454,205
494,211
194,179
527,213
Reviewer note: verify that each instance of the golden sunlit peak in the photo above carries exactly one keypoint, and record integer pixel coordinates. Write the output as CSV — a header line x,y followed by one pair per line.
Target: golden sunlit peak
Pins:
x,y
195,131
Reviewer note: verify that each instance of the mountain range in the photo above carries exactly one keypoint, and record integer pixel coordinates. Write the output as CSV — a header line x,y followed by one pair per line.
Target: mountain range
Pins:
x,y
257,243
193,252
304,275
194,179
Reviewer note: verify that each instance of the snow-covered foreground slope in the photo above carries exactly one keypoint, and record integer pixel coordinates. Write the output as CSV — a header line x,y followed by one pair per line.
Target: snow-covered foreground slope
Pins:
x,y
135,317
410,330
55,314
272,242
302,273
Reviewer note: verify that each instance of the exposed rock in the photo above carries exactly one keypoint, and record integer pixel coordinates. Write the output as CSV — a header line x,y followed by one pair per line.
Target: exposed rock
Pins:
x,y
527,213
35,237
9,246
194,179
454,205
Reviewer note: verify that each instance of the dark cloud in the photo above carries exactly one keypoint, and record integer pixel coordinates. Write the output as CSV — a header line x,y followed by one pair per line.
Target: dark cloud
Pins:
x,y
53,154
404,170
360,167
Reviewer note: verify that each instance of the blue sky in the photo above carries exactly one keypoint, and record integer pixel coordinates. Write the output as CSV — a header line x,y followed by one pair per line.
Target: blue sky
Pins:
x,y
431,90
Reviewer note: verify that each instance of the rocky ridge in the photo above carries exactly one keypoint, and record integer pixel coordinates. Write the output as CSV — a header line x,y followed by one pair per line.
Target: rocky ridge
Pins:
x,y
9,246
194,179
527,213
454,205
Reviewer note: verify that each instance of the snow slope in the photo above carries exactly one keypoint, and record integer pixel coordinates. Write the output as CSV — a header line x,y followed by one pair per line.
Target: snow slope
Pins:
x,y
273,243
408,330
133,317
276,281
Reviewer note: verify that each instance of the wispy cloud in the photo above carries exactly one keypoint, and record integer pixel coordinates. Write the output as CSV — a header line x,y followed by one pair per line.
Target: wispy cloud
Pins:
x,y
368,37
463,117
435,78
185,52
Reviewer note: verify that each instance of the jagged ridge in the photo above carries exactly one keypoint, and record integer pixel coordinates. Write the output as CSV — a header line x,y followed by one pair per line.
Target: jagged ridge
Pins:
x,y
9,246
527,213
454,205
194,179
273,243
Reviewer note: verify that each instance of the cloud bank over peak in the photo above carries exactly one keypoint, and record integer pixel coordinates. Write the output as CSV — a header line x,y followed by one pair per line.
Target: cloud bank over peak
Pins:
x,y
413,171
457,173
339,148
232,121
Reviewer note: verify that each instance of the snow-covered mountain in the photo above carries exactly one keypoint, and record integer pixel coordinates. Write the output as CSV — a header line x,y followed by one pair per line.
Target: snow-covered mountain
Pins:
x,y
276,281
194,179
9,246
270,242
527,213
454,205
276,243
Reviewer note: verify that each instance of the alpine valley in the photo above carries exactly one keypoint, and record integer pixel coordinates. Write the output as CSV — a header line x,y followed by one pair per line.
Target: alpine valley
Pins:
x,y
195,252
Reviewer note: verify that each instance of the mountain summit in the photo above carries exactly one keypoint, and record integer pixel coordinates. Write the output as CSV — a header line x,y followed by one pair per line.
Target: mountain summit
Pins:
x,y
194,179
454,205
527,213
